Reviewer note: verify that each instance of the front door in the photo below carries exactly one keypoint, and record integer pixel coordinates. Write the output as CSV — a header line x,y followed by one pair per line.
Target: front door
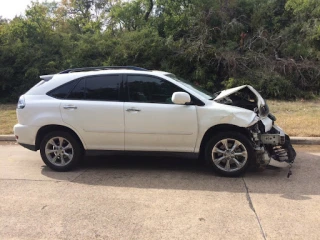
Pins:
x,y
152,121
95,110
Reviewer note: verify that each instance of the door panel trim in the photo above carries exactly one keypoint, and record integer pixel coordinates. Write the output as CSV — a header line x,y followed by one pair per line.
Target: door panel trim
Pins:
x,y
93,152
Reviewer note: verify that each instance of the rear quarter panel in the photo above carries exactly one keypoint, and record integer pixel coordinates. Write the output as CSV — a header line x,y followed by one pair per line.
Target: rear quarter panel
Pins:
x,y
41,110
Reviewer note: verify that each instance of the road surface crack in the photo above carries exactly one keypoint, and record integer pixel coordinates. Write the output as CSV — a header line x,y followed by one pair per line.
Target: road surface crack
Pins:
x,y
73,180
253,209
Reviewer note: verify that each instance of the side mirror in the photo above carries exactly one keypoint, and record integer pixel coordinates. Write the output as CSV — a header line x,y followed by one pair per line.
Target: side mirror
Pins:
x,y
180,98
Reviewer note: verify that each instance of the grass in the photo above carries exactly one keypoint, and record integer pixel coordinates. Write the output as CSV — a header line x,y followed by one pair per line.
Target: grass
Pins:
x,y
8,118
298,118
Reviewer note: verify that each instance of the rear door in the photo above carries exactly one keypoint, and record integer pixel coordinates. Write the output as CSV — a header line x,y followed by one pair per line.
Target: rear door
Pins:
x,y
94,108
152,121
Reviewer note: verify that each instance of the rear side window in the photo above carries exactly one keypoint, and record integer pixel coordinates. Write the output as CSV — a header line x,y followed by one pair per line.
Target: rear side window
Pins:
x,y
78,93
103,88
98,88
62,91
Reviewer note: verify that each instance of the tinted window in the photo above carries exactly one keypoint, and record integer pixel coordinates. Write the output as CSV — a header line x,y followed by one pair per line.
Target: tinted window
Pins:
x,y
106,88
79,91
62,91
99,88
150,89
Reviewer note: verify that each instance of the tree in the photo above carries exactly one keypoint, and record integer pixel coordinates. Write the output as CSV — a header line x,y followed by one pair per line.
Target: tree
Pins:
x,y
272,45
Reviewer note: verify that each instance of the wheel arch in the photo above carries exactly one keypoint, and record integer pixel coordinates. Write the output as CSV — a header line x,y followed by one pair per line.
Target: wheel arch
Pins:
x,y
53,127
218,129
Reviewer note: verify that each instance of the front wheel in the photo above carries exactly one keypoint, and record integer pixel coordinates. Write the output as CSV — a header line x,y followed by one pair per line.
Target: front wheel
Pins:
x,y
60,151
229,153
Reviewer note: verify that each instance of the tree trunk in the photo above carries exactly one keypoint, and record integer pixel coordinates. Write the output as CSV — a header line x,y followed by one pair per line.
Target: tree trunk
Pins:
x,y
146,16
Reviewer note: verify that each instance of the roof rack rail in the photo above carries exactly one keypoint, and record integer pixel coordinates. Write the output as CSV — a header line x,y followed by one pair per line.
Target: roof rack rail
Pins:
x,y
70,70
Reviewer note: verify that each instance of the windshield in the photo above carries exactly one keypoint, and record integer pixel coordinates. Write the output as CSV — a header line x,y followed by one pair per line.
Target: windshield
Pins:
x,y
196,88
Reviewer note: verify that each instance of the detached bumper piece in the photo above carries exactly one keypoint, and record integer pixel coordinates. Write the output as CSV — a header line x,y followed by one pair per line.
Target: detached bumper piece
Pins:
x,y
283,155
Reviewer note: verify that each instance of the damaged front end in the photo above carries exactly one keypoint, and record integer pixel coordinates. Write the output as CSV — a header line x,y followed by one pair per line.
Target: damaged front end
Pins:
x,y
272,145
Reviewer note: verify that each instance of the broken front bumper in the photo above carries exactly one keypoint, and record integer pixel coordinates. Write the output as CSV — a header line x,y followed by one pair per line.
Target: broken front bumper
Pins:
x,y
284,155
279,151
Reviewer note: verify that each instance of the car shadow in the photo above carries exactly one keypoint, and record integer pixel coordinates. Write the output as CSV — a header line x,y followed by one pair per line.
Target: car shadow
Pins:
x,y
191,174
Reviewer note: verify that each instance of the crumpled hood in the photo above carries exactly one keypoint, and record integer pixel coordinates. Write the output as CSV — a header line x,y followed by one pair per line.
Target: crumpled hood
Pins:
x,y
261,103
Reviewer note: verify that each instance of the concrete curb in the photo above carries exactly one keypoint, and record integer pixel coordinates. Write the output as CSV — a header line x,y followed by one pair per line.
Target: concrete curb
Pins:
x,y
294,140
305,140
7,138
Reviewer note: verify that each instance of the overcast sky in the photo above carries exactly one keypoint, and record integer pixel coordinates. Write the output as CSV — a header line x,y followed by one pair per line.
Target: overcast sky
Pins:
x,y
11,8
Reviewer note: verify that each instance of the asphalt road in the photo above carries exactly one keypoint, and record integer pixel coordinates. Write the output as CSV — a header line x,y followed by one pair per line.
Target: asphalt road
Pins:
x,y
155,198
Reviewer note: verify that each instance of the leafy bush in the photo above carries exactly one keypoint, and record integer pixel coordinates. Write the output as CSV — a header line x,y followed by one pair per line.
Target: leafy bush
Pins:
x,y
272,45
271,86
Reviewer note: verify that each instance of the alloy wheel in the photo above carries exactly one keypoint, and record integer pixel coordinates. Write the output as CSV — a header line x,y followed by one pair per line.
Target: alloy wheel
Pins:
x,y
229,155
59,151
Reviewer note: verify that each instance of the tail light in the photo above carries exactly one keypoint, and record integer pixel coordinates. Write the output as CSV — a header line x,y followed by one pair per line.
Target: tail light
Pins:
x,y
21,103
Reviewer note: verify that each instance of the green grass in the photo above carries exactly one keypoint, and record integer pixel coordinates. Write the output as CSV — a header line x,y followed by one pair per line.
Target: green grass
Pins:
x,y
297,118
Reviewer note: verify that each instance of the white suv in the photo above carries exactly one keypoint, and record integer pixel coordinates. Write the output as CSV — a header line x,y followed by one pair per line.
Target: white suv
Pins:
x,y
130,109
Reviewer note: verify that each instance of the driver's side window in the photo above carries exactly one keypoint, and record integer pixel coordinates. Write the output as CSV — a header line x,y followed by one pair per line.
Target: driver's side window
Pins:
x,y
149,89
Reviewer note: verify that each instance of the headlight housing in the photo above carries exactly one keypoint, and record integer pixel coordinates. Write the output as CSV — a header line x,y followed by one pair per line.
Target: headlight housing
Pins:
x,y
21,103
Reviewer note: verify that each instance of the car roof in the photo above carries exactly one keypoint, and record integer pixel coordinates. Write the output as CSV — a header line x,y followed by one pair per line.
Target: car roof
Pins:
x,y
118,71
71,75
55,80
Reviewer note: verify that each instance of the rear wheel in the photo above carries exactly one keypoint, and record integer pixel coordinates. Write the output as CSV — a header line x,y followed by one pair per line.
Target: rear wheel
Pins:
x,y
229,153
60,151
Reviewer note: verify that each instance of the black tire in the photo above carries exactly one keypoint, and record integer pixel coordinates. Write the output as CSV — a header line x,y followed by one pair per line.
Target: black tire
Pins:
x,y
237,161
64,161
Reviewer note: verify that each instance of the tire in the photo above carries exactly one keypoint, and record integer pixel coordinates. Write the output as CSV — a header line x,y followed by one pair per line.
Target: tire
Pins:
x,y
233,160
60,151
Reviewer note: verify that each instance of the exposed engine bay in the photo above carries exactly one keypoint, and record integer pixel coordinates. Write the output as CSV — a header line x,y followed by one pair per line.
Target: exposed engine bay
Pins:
x,y
244,98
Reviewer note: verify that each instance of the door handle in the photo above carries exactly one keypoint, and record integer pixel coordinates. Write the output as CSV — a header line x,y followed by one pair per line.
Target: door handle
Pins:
x,y
133,110
70,107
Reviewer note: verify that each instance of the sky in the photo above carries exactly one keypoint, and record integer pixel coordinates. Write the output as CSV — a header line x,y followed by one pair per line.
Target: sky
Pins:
x,y
11,8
